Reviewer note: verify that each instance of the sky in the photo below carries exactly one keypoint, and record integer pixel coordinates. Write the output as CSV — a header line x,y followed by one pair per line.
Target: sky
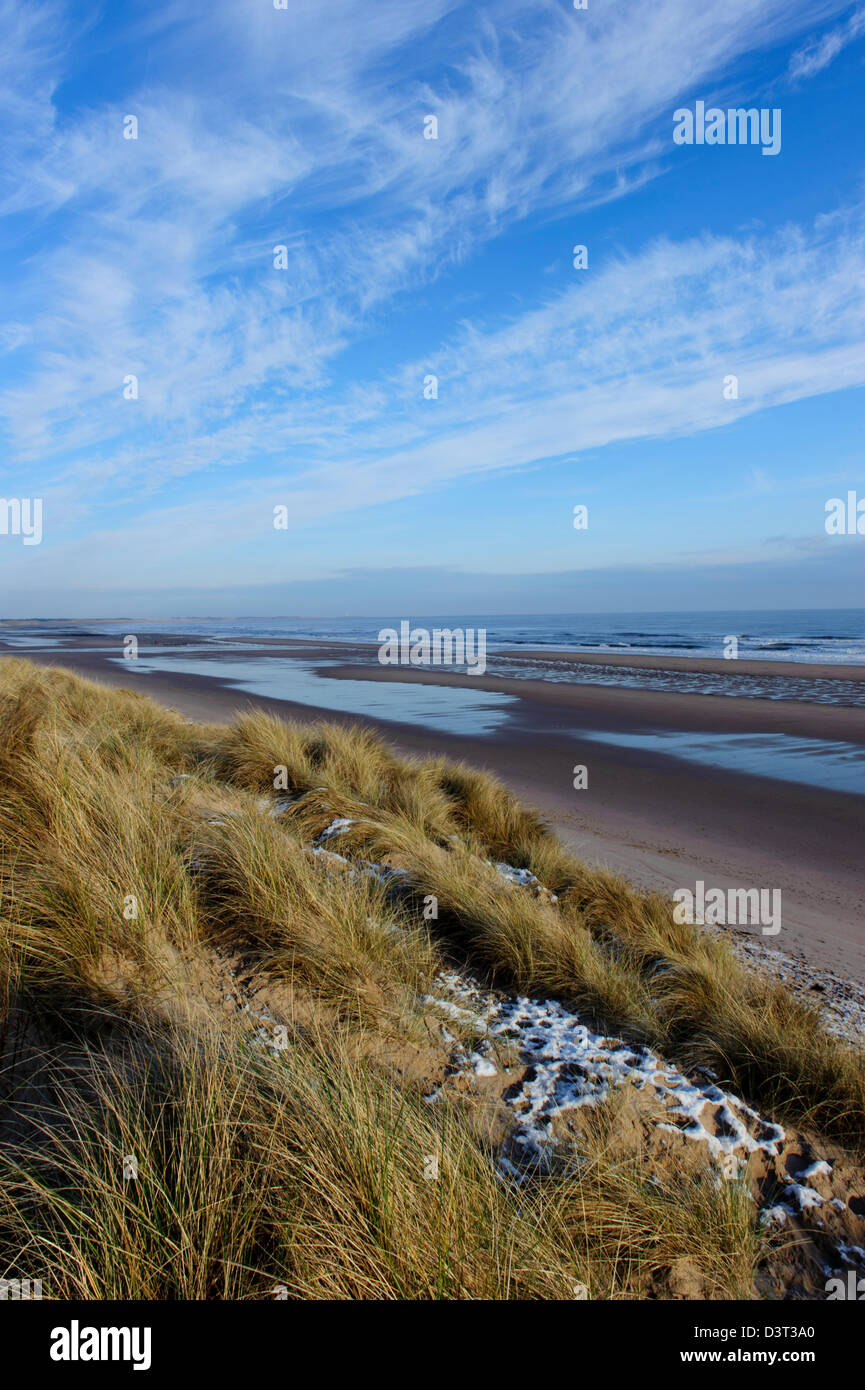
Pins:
x,y
423,385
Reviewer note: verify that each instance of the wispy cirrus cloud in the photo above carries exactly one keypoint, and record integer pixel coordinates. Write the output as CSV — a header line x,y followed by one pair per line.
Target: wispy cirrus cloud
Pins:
x,y
257,127
164,265
641,352
816,55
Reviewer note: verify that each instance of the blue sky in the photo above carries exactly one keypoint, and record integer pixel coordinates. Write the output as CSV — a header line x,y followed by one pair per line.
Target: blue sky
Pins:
x,y
407,257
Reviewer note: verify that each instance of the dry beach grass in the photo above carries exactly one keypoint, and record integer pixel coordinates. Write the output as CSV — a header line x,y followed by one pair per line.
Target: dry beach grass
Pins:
x,y
164,908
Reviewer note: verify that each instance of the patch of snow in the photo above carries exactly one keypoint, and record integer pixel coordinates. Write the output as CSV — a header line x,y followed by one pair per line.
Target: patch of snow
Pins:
x,y
381,872
570,1066
776,1215
819,1169
275,808
523,876
482,1066
337,827
803,1197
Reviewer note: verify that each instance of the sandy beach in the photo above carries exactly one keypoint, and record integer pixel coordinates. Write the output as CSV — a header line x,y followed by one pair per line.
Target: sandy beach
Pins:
x,y
663,820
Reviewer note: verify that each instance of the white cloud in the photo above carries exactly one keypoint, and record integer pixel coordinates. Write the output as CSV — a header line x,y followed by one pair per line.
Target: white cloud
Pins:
x,y
258,126
640,352
813,57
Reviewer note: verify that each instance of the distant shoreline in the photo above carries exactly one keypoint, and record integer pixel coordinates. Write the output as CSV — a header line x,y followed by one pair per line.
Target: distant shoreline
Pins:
x,y
661,661
825,641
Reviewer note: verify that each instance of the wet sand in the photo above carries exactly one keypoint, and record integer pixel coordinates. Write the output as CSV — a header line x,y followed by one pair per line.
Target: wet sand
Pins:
x,y
659,820
715,665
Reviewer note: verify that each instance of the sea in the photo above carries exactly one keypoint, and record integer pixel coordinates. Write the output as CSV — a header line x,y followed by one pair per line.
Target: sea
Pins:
x,y
797,634
226,648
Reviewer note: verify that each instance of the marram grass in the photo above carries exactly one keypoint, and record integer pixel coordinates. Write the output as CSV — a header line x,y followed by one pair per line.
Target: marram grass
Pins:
x,y
142,868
